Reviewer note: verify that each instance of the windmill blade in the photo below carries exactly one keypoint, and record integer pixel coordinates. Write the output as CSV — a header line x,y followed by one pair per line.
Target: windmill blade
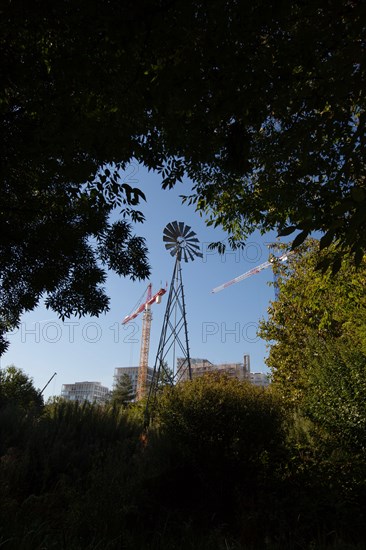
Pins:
x,y
182,229
189,253
194,246
172,249
169,239
170,245
176,228
196,251
169,228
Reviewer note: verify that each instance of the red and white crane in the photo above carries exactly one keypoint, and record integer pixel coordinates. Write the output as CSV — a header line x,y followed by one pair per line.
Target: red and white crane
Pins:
x,y
145,336
253,271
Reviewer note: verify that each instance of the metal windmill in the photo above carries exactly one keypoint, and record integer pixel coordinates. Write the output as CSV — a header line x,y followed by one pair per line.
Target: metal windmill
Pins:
x,y
182,244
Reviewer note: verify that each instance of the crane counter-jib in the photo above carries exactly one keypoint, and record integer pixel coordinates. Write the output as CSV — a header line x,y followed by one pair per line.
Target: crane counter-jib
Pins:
x,y
142,307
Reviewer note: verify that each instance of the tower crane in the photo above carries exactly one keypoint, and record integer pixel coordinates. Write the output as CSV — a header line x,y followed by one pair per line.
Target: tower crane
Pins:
x,y
253,271
145,336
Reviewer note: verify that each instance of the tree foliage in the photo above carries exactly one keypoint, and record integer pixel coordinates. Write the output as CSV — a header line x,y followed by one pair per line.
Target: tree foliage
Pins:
x,y
295,133
221,419
123,393
17,390
317,335
263,107
224,438
335,395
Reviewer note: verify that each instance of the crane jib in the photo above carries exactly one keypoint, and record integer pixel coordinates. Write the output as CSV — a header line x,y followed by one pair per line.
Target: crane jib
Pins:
x,y
142,307
253,271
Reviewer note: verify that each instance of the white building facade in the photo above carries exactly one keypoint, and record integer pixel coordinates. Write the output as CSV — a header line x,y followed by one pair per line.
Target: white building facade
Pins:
x,y
133,373
93,392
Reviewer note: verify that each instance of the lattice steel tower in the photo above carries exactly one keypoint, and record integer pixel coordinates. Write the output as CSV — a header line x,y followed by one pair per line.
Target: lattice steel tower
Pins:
x,y
182,243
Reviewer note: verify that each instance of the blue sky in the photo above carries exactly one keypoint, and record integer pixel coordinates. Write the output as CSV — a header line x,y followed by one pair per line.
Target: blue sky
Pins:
x,y
222,327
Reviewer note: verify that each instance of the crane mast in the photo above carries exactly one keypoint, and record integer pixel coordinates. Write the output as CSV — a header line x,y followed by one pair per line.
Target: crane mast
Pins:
x,y
145,337
144,354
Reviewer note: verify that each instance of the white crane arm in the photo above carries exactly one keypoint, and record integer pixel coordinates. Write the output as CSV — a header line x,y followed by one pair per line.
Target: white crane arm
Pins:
x,y
252,271
249,273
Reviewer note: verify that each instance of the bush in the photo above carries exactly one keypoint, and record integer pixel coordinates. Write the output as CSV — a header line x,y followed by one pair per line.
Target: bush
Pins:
x,y
223,443
218,415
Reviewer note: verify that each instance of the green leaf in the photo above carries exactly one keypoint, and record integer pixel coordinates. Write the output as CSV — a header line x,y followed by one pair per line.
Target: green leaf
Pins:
x,y
299,239
336,266
359,255
326,240
287,231
358,194
345,206
359,217
323,264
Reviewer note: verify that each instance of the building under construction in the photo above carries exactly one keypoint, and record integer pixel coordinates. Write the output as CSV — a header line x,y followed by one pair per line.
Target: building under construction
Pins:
x,y
199,367
240,371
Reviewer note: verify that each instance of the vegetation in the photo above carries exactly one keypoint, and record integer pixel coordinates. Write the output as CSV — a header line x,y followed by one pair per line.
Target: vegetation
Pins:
x,y
335,393
16,388
314,311
318,352
264,109
223,465
316,332
123,393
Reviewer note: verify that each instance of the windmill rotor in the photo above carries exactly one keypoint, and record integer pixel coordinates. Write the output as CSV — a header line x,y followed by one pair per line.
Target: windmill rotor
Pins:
x,y
181,241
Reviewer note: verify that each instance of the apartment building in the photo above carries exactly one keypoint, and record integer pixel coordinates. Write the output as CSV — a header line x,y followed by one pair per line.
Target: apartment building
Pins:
x,y
133,374
93,392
